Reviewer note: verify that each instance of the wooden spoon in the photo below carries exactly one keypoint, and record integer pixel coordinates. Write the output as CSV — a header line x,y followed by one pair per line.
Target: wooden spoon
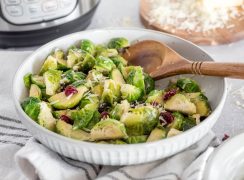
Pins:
x,y
160,61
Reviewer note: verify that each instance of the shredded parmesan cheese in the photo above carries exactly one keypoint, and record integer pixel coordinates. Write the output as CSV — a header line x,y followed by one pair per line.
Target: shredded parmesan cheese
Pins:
x,y
192,15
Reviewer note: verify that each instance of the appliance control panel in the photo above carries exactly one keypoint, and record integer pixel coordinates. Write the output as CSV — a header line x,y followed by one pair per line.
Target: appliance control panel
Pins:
x,y
33,11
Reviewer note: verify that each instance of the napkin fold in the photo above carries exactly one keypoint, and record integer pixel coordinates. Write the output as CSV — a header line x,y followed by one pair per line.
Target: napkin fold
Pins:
x,y
22,157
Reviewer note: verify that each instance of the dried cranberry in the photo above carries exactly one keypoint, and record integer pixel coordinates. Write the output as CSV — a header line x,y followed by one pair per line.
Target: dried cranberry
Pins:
x,y
154,103
167,116
66,119
226,136
69,90
104,114
103,107
169,94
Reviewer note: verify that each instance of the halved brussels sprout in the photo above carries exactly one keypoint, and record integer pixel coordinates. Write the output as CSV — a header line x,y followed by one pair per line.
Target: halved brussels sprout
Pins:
x,y
149,83
117,76
59,113
188,123
180,103
136,139
104,65
108,129
178,121
155,96
103,51
95,119
140,121
88,63
119,60
87,46
136,78
66,129
52,81
27,80
125,70
45,117
74,56
98,90
157,134
71,76
31,106
120,109
111,91
130,92
61,101
201,102
59,55
35,91
118,43
89,99
49,63
173,132
188,85
83,116
38,80
95,76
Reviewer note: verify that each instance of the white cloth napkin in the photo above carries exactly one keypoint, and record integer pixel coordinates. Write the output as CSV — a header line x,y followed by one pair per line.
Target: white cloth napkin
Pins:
x,y
22,157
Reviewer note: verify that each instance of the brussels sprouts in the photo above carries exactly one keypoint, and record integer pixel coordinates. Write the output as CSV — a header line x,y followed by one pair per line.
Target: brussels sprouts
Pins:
x,y
59,55
103,51
74,56
61,101
188,85
157,134
65,129
178,121
108,129
32,107
140,121
38,80
136,139
117,76
111,91
45,117
117,141
188,123
125,70
173,132
95,76
180,103
95,119
35,91
118,43
89,99
120,109
52,81
104,65
27,80
130,92
98,90
201,102
119,60
87,46
83,116
87,63
155,96
49,63
149,83
59,113
136,78
71,76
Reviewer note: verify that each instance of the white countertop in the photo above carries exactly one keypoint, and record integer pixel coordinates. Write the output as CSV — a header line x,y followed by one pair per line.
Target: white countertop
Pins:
x,y
114,13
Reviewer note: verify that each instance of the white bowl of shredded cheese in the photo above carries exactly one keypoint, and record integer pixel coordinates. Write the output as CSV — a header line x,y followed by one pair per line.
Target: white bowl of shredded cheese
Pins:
x,y
110,154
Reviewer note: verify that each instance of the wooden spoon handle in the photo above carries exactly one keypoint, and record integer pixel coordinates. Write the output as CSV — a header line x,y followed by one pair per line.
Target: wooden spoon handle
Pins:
x,y
232,70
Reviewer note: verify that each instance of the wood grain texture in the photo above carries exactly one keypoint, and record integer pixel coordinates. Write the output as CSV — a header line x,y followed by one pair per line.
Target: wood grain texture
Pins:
x,y
214,37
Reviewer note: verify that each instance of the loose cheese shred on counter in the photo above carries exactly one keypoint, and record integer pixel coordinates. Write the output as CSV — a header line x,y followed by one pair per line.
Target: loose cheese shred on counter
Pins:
x,y
191,15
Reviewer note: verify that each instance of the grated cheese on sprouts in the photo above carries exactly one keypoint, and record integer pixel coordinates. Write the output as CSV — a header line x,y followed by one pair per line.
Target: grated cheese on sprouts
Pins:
x,y
192,15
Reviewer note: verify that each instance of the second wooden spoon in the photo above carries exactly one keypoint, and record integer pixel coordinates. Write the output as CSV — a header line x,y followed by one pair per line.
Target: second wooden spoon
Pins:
x,y
160,61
